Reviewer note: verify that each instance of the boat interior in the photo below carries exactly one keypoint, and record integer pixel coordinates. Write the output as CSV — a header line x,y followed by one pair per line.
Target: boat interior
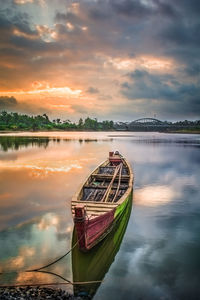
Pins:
x,y
107,184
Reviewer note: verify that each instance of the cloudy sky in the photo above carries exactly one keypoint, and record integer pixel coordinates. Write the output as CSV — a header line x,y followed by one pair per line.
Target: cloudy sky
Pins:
x,y
110,59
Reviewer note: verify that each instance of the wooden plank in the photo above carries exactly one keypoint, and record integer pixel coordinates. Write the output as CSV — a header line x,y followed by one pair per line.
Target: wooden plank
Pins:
x,y
103,209
103,187
109,177
96,209
118,186
108,190
94,204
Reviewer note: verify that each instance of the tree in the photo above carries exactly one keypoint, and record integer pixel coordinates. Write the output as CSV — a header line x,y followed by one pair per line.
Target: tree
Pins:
x,y
80,123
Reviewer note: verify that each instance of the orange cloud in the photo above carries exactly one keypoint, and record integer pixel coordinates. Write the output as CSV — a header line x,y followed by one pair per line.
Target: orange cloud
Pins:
x,y
43,88
20,33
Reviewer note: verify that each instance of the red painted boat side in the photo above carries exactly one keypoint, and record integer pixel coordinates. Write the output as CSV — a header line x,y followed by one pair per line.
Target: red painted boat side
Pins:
x,y
89,231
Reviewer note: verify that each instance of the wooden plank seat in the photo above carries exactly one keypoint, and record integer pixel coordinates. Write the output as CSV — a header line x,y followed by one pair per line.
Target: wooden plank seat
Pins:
x,y
98,209
94,204
109,177
103,187
92,213
92,208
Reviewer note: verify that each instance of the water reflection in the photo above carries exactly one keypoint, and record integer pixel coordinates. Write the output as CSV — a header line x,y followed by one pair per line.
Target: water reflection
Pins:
x,y
154,195
159,257
31,244
93,265
16,143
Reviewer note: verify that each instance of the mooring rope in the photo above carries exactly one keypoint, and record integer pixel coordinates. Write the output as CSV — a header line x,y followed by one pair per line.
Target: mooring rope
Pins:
x,y
61,257
48,265
51,273
58,259
40,269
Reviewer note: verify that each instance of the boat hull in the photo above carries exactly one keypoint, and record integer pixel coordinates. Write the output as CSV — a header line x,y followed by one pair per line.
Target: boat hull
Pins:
x,y
91,232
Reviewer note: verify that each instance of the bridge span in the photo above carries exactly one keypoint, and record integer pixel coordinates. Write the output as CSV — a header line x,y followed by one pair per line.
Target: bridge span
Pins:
x,y
145,121
144,124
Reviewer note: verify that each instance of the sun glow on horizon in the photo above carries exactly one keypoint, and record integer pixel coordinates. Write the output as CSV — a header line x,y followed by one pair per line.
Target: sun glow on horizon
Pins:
x,y
55,91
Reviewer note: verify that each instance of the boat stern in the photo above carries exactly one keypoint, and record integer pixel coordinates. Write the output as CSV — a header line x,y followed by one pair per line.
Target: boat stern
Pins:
x,y
80,225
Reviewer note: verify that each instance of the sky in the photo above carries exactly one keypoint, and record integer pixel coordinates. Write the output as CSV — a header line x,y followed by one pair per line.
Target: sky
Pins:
x,y
107,59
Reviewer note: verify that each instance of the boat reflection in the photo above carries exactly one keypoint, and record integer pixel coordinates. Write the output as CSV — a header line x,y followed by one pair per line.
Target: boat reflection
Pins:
x,y
93,265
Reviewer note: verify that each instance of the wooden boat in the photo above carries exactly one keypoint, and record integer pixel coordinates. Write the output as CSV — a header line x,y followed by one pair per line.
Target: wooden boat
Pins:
x,y
89,269
101,200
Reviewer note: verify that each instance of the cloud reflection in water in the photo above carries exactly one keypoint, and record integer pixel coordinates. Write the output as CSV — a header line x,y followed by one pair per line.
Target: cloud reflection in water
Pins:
x,y
159,256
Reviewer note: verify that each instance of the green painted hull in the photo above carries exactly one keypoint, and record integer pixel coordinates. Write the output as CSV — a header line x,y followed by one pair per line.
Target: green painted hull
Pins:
x,y
122,207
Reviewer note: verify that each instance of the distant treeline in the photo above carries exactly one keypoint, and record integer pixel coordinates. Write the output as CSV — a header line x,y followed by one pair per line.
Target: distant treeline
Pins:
x,y
15,121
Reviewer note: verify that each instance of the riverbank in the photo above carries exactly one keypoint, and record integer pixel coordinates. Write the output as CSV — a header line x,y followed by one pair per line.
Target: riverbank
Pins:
x,y
35,293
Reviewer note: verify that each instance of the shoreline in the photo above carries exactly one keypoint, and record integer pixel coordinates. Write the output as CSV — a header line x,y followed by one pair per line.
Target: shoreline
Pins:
x,y
118,131
40,293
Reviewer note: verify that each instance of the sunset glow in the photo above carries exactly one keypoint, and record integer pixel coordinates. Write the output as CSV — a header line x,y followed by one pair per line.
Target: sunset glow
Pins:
x,y
117,60
61,91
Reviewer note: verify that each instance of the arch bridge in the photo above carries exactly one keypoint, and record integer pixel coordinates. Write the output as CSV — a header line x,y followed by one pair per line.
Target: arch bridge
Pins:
x,y
147,121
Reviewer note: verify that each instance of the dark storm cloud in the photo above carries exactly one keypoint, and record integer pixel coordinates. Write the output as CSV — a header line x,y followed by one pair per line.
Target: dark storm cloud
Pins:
x,y
11,104
167,9
158,27
17,34
193,70
188,7
68,16
182,34
144,85
131,8
172,94
10,21
8,30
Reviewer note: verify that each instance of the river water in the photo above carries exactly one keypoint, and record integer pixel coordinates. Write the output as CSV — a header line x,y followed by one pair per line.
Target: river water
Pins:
x,y
159,255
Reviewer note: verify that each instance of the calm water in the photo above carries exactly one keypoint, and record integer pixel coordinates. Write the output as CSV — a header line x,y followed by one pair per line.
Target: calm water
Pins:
x,y
159,256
